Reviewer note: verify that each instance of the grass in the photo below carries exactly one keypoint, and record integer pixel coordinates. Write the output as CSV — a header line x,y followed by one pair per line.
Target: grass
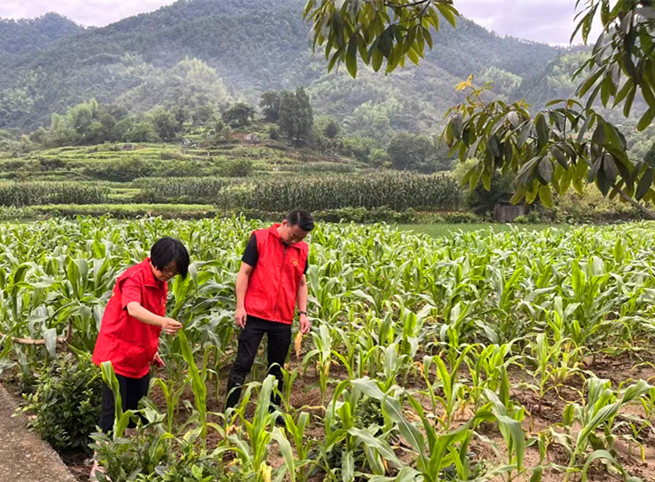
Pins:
x,y
443,229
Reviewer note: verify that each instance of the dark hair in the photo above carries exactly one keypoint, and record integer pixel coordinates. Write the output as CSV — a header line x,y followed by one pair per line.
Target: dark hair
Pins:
x,y
166,250
301,218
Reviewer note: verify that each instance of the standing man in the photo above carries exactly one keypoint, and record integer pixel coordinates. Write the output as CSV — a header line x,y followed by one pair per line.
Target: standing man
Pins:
x,y
270,284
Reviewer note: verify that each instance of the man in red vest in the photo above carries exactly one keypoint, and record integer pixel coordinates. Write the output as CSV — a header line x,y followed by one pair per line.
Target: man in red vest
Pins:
x,y
270,284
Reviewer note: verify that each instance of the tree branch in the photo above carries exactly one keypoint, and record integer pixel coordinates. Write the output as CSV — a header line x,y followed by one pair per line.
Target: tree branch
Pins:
x,y
646,212
30,341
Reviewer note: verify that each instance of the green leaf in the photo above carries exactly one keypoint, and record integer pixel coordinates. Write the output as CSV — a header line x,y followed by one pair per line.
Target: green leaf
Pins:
x,y
392,408
546,170
646,119
598,454
560,157
542,130
448,13
546,196
351,56
50,337
493,145
645,183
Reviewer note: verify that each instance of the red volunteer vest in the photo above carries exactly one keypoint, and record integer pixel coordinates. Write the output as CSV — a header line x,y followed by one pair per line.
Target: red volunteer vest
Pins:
x,y
128,343
274,281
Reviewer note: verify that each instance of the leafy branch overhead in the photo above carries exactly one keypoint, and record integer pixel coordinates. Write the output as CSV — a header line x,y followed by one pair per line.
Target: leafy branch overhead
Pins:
x,y
376,31
552,150
557,148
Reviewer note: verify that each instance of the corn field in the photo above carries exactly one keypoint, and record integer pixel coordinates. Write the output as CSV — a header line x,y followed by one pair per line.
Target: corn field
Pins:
x,y
180,189
478,356
34,193
398,191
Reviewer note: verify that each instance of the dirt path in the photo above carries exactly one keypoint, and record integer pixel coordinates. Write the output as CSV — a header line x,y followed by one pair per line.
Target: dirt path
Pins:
x,y
24,456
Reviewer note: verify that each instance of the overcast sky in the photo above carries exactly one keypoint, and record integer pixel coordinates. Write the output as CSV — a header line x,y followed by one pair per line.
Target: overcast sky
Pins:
x,y
549,21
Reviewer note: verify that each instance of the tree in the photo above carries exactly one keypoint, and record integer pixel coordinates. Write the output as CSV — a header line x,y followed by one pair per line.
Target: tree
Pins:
x,y
409,152
239,115
551,150
270,104
332,129
296,118
164,124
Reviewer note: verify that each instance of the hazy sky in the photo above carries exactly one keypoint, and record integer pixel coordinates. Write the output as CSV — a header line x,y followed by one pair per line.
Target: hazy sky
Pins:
x,y
549,21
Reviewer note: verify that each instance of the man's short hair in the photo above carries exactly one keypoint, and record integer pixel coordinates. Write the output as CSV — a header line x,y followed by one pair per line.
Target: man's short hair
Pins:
x,y
166,250
301,218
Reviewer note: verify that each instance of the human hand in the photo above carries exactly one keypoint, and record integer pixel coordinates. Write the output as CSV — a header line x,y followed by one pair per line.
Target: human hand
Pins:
x,y
240,317
157,361
305,324
171,326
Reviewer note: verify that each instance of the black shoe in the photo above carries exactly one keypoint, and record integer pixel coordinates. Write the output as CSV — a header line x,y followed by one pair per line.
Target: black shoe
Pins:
x,y
280,421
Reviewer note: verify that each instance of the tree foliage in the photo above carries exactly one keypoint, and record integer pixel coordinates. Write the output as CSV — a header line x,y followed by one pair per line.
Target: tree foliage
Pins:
x,y
239,115
296,117
410,152
376,31
550,150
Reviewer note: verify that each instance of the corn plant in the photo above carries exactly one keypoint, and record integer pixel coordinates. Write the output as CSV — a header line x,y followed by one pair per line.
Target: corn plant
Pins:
x,y
597,413
253,452
448,382
321,357
554,364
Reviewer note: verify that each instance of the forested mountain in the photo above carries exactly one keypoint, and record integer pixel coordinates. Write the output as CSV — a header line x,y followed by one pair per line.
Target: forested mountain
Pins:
x,y
246,47
20,37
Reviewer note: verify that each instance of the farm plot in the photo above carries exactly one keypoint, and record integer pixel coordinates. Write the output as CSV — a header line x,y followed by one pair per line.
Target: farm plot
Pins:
x,y
512,356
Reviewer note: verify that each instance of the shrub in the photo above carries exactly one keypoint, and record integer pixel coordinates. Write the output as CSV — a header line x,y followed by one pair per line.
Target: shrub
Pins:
x,y
236,168
462,218
67,402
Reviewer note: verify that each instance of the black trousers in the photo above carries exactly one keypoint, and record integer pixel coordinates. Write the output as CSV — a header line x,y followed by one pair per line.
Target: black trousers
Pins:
x,y
132,390
279,341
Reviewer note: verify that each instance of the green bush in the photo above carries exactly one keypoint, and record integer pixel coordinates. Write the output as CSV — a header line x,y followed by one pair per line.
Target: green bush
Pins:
x,y
67,402
236,168
126,170
462,218
173,155
592,207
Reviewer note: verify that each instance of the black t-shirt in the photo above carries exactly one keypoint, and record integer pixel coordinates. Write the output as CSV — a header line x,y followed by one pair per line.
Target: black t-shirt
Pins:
x,y
251,255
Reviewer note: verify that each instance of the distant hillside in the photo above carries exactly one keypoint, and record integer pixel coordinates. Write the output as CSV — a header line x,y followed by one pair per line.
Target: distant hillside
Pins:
x,y
21,37
253,46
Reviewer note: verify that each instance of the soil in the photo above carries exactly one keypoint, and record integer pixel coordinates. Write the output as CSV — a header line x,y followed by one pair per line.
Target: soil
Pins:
x,y
23,455
489,446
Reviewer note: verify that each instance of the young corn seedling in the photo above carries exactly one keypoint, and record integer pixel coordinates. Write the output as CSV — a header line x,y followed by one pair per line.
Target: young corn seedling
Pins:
x,y
453,398
486,369
321,356
253,452
555,364
598,413
509,423
298,464
349,446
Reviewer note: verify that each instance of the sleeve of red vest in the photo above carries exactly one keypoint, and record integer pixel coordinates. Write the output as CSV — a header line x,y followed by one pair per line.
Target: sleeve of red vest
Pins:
x,y
130,291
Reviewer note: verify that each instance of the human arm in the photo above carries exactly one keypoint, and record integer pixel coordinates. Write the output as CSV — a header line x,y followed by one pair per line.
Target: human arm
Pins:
x,y
301,300
169,325
242,286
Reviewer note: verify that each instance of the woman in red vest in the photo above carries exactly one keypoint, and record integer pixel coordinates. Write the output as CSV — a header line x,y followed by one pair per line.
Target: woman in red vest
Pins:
x,y
132,323
270,284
